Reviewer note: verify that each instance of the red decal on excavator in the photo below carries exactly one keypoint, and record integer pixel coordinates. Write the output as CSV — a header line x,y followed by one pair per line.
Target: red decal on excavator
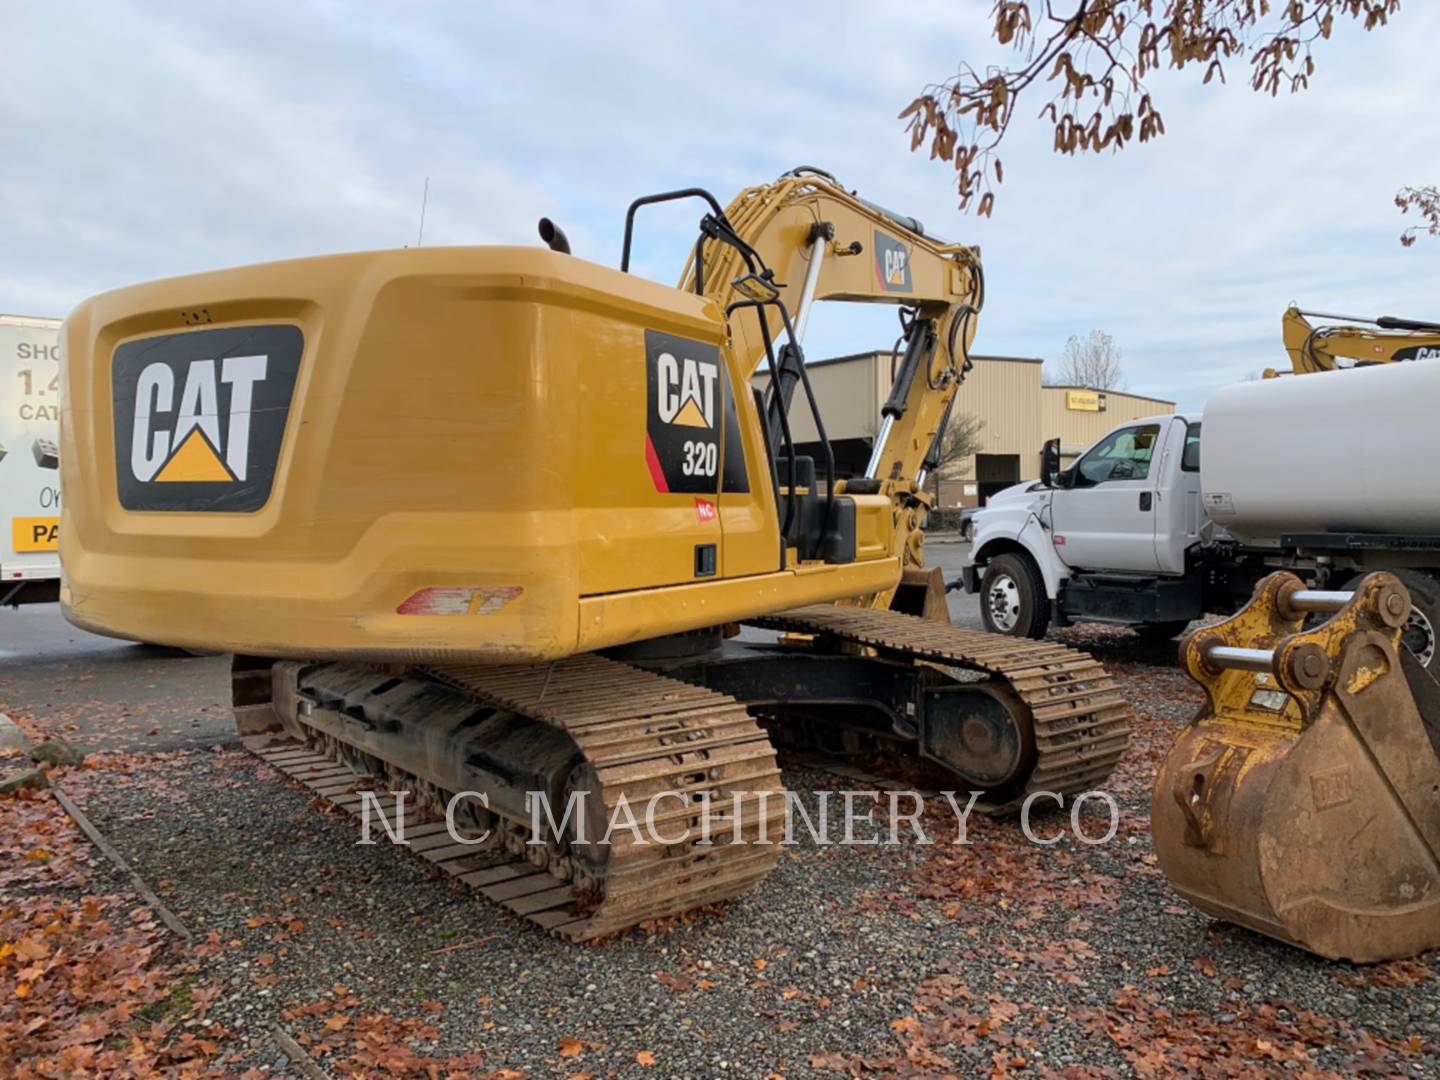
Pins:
x,y
653,460
705,511
458,600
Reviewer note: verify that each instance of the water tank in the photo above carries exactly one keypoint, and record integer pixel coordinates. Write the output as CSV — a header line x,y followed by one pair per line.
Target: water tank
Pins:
x,y
1341,451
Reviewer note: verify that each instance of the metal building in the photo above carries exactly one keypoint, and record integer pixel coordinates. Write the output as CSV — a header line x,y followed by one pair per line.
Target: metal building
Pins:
x,y
1004,394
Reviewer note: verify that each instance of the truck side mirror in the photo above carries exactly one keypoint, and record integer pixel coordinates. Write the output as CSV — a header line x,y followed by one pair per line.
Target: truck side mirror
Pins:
x,y
1050,462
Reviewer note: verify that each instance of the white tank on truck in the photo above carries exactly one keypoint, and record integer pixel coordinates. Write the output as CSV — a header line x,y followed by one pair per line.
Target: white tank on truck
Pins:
x,y
29,459
1351,452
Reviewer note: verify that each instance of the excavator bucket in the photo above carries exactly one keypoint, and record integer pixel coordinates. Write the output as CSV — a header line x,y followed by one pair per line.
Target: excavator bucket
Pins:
x,y
1303,800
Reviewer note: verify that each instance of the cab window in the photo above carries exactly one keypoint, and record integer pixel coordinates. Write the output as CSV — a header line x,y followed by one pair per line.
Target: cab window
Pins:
x,y
1190,459
1122,455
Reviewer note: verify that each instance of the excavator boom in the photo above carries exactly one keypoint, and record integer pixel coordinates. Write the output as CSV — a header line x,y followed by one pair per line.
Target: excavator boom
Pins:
x,y
825,243
1385,340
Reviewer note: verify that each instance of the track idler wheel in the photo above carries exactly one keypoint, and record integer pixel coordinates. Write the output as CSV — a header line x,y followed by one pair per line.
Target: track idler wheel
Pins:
x,y
982,733
1303,801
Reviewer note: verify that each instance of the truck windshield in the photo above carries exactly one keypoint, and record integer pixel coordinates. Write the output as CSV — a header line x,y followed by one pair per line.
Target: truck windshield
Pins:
x,y
1122,455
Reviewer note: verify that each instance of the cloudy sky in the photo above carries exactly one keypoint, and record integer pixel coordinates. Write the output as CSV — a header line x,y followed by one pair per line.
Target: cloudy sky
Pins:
x,y
145,140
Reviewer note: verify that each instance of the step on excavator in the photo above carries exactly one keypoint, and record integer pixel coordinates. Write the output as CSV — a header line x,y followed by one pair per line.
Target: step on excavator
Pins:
x,y
488,519
1303,800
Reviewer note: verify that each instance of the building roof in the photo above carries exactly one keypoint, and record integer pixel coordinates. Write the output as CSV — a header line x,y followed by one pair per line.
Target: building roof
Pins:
x,y
846,359
987,358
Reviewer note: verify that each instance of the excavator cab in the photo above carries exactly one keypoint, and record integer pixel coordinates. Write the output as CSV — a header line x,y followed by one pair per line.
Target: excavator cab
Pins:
x,y
1303,800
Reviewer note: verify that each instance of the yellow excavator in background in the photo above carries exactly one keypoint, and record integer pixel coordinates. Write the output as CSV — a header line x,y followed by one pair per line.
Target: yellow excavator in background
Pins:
x,y
487,520
1320,348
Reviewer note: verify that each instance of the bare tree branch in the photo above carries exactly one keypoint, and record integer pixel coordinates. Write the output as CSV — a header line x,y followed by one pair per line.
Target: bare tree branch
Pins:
x,y
962,440
1093,363
1097,56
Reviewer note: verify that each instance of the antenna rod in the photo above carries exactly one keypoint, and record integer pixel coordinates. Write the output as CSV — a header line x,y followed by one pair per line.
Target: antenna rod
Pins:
x,y
424,200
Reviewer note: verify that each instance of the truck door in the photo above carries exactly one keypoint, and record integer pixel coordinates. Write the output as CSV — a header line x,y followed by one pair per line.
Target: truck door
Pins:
x,y
1177,496
1105,518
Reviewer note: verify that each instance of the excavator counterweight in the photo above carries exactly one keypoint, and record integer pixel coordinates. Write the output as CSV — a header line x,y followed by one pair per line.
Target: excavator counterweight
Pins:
x,y
1303,800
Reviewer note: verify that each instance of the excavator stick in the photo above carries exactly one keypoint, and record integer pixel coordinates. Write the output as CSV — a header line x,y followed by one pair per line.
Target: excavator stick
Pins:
x,y
1303,800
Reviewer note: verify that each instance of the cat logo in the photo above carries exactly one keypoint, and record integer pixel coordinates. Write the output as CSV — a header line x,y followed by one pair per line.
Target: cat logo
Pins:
x,y
688,404
687,390
895,263
892,263
1417,352
199,416
191,453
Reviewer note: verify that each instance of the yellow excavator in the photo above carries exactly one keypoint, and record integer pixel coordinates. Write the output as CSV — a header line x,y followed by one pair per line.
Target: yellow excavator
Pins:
x,y
1315,348
488,520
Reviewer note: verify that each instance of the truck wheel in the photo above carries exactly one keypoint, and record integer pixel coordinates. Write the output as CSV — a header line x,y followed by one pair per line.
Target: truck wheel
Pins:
x,y
1012,598
1420,635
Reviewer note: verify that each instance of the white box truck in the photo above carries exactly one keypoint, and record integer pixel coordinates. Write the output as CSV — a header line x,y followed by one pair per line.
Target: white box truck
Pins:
x,y
1329,475
29,459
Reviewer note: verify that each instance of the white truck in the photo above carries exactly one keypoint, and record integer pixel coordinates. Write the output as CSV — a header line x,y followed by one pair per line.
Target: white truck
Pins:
x,y
29,459
1329,475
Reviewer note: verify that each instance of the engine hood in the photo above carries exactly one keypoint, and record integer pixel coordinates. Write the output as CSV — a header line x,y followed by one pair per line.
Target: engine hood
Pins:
x,y
1015,493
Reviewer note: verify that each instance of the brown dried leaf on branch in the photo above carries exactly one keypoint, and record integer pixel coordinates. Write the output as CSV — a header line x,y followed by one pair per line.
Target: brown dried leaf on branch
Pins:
x,y
1096,55
1425,201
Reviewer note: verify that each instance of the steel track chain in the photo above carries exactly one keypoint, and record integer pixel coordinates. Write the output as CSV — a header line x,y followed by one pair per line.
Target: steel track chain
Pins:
x,y
647,737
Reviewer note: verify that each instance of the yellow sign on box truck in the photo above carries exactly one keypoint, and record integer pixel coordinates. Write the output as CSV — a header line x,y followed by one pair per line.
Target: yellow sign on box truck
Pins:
x,y
35,533
29,459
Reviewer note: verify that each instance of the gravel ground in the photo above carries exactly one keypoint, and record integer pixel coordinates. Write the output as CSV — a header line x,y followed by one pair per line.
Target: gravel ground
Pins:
x,y
999,956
